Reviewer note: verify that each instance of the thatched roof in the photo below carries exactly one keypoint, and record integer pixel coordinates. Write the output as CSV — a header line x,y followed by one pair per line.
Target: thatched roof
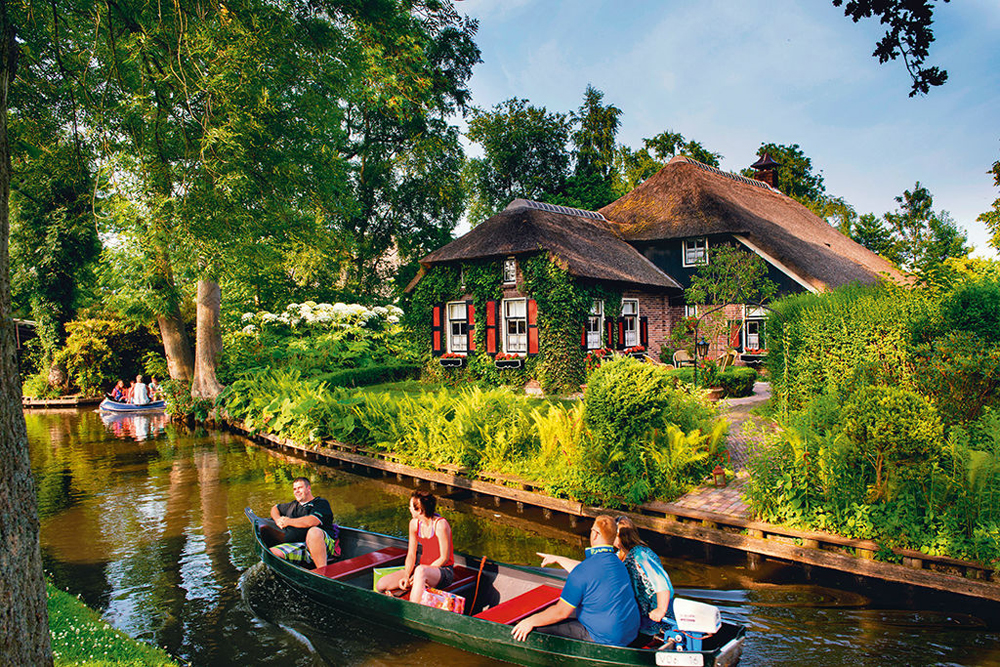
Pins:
x,y
688,199
582,242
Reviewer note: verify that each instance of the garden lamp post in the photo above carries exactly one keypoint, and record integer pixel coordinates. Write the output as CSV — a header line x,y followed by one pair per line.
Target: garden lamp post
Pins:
x,y
700,350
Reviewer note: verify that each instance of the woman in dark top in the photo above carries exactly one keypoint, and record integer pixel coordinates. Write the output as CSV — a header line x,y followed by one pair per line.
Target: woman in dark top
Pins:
x,y
432,534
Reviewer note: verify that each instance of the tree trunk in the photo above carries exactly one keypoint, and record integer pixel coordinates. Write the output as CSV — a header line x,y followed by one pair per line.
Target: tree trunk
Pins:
x,y
208,345
180,363
24,618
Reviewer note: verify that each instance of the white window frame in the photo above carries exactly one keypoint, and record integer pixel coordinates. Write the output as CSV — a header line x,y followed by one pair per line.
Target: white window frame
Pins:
x,y
595,325
690,310
631,322
457,342
515,342
692,246
510,271
756,316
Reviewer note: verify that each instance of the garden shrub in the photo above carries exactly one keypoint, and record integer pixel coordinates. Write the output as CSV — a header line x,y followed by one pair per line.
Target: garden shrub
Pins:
x,y
738,381
895,430
99,352
641,426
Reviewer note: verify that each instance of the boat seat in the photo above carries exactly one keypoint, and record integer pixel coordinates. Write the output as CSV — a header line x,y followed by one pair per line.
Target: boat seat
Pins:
x,y
521,606
343,569
463,577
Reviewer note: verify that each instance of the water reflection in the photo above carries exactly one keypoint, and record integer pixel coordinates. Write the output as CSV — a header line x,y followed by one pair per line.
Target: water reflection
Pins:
x,y
145,522
135,426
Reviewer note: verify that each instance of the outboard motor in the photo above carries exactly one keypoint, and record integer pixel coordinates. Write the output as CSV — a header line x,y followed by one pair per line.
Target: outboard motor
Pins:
x,y
695,622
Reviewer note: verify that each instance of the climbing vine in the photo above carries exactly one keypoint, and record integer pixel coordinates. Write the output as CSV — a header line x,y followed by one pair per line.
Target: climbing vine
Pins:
x,y
563,306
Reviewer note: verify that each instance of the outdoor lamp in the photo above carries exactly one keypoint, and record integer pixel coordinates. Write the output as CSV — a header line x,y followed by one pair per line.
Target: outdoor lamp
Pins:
x,y
719,476
701,347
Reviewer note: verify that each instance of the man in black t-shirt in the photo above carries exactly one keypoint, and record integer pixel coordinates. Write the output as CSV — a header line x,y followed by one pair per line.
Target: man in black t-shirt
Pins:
x,y
308,532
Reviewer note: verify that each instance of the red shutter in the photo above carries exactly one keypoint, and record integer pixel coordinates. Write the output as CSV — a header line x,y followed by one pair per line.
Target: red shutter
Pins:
x,y
437,331
734,333
583,337
470,315
621,333
491,327
532,327
644,331
609,333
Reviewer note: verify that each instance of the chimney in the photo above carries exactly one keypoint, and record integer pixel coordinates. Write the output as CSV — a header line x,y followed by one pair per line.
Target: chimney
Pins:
x,y
766,170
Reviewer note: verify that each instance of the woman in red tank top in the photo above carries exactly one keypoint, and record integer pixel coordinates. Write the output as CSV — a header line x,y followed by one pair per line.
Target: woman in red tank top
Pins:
x,y
432,534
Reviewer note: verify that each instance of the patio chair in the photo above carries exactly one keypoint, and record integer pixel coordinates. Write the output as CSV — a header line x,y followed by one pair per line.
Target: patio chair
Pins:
x,y
682,358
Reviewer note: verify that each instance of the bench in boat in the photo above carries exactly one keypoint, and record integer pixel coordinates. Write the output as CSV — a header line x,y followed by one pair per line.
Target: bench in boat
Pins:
x,y
522,606
344,569
463,577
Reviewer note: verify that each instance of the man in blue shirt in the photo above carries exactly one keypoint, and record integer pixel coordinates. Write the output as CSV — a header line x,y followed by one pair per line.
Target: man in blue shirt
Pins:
x,y
599,592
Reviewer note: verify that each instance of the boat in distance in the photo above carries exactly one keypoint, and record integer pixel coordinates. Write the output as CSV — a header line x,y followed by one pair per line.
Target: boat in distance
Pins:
x,y
109,405
496,596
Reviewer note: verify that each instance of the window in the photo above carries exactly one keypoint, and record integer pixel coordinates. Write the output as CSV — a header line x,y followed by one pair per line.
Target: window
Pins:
x,y
458,327
695,252
691,310
595,325
509,271
515,325
630,319
753,328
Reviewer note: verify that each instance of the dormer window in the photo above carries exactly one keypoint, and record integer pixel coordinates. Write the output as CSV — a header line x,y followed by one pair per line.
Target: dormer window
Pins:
x,y
509,271
696,252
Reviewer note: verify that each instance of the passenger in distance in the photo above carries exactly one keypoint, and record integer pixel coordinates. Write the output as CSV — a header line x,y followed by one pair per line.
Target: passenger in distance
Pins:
x,y
432,533
597,592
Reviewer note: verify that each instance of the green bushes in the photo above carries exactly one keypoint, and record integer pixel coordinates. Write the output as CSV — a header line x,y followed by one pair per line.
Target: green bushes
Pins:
x,y
657,445
642,430
893,422
736,382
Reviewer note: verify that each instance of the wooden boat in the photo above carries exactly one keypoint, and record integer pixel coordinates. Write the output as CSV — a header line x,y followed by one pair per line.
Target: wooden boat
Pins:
x,y
497,596
108,405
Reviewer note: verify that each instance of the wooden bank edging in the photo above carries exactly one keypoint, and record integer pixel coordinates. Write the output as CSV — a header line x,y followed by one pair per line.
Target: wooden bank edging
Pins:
x,y
806,547
62,402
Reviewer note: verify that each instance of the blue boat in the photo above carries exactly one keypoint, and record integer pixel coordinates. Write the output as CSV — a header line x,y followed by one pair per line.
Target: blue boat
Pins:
x,y
108,405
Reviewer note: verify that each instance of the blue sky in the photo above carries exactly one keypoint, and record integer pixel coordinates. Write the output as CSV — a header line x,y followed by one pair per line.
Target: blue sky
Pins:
x,y
735,73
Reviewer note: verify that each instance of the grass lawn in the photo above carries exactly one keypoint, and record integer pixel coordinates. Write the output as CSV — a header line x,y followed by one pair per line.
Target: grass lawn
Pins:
x,y
80,638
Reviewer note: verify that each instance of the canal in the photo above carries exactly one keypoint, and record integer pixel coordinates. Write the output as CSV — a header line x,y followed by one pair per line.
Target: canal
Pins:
x,y
144,521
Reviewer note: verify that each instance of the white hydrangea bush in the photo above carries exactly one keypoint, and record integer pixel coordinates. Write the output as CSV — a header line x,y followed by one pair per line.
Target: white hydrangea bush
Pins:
x,y
325,316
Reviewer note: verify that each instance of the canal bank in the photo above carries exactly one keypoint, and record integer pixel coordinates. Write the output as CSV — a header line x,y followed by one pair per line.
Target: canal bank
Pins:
x,y
758,540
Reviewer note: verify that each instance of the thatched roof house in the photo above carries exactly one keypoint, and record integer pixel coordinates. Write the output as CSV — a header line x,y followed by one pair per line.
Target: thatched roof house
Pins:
x,y
688,199
582,242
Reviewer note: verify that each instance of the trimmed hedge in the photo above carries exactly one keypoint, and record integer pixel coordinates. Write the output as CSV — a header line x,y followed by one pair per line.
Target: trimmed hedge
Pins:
x,y
369,375
736,382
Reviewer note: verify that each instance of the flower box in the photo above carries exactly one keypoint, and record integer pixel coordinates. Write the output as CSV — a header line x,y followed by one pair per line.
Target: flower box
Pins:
x,y
452,360
508,361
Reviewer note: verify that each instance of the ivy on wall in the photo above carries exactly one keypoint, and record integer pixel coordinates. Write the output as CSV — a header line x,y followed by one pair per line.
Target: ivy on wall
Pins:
x,y
563,306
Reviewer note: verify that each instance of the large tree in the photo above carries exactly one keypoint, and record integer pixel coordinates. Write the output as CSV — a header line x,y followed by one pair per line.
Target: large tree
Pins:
x,y
230,130
925,237
594,148
796,177
524,156
24,623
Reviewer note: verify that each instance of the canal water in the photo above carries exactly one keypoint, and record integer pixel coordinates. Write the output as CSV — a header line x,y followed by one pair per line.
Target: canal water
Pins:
x,y
144,521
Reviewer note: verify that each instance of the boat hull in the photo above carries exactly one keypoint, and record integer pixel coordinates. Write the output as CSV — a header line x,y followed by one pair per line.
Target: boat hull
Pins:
x,y
107,405
472,634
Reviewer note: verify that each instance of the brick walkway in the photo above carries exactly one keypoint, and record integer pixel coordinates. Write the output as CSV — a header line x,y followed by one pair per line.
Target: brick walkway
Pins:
x,y
727,500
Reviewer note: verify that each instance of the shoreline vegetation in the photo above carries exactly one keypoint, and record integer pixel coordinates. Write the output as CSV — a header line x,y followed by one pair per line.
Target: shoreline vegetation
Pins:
x,y
81,638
